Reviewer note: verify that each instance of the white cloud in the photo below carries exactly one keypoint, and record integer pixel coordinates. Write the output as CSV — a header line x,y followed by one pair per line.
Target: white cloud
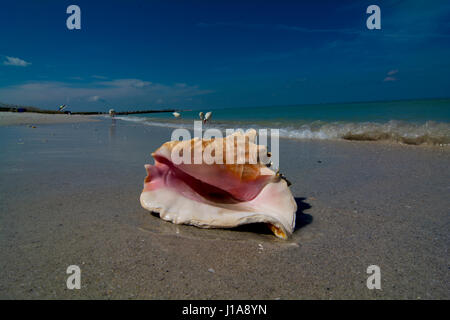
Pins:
x,y
119,93
388,79
94,98
126,83
389,76
390,73
13,61
95,76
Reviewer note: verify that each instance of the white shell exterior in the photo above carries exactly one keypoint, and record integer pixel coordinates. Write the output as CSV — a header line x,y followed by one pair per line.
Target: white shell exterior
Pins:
x,y
274,205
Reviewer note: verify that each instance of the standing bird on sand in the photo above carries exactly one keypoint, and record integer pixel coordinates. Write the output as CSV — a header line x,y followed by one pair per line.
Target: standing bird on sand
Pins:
x,y
207,116
176,114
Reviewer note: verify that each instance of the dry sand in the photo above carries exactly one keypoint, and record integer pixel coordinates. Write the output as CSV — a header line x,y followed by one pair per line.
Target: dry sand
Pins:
x,y
31,118
70,195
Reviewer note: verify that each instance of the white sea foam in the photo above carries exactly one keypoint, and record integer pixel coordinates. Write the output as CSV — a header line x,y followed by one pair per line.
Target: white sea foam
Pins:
x,y
429,132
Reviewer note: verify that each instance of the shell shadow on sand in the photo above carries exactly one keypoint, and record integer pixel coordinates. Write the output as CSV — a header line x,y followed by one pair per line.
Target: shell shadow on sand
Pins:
x,y
301,219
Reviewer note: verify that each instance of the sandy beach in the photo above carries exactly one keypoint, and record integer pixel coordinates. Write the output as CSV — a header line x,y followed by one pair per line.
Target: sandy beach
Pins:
x,y
31,118
69,195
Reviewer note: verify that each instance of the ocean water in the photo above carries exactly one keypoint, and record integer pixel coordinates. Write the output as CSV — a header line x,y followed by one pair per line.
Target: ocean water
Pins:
x,y
410,121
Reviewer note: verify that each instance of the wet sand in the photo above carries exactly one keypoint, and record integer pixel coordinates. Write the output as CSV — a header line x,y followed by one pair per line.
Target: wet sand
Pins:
x,y
31,118
69,194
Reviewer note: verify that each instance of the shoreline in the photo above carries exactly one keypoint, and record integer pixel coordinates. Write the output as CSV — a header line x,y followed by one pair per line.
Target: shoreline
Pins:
x,y
31,118
368,134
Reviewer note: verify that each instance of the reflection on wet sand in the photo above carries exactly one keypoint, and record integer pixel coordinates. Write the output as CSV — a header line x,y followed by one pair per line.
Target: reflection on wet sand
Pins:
x,y
112,130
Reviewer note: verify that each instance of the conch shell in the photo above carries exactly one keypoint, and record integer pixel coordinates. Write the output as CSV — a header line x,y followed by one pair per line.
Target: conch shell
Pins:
x,y
235,188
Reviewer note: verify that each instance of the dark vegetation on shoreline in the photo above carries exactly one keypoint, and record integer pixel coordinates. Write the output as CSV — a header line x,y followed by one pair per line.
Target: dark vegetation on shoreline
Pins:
x,y
16,108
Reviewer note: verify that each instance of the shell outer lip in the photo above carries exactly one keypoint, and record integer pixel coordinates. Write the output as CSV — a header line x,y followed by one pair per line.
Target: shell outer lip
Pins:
x,y
277,227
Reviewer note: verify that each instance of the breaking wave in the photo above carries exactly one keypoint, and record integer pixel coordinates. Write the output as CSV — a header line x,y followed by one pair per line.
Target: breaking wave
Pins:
x,y
404,132
427,133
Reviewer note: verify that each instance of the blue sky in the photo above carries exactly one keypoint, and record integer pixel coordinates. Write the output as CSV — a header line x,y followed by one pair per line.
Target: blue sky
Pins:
x,y
192,54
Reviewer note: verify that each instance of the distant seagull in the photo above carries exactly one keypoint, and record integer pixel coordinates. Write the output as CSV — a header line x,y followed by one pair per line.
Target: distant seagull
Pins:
x,y
201,115
207,116
176,114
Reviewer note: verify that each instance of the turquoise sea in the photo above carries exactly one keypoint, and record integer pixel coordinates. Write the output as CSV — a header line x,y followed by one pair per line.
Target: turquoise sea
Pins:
x,y
407,121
